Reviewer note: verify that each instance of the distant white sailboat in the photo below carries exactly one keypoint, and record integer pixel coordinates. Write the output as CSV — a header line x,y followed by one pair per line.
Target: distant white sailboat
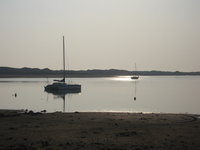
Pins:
x,y
134,75
60,86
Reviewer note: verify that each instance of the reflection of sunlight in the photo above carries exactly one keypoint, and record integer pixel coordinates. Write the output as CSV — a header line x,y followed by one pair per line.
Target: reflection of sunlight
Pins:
x,y
123,78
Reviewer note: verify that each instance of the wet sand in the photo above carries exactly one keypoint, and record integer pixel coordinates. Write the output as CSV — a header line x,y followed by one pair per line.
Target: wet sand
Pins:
x,y
98,131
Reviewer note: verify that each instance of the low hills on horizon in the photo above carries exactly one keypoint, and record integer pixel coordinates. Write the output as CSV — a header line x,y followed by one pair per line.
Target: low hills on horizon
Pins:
x,y
36,72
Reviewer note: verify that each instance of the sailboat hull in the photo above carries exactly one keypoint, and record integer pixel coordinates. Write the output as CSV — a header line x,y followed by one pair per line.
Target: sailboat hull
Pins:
x,y
63,87
135,77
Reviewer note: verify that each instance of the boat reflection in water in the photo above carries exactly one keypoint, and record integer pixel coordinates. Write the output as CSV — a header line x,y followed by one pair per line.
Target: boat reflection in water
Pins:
x,y
135,90
62,94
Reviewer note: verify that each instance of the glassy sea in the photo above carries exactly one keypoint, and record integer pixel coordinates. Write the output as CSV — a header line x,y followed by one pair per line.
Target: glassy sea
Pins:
x,y
148,94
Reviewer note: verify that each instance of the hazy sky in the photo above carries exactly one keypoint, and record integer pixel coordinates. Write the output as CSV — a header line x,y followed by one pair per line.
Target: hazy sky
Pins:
x,y
101,34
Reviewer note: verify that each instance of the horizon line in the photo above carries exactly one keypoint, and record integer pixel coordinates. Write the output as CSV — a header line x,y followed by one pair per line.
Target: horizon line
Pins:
x,y
94,69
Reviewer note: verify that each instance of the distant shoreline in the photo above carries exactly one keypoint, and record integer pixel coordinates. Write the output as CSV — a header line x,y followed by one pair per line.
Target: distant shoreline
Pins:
x,y
8,72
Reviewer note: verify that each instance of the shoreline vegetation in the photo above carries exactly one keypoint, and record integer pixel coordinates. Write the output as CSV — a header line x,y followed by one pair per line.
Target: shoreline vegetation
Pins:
x,y
98,131
6,72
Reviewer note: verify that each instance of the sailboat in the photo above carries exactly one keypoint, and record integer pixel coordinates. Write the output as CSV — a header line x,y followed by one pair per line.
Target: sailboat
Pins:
x,y
135,76
60,85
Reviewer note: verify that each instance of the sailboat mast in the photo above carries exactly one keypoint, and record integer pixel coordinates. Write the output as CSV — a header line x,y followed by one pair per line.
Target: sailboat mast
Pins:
x,y
135,69
64,58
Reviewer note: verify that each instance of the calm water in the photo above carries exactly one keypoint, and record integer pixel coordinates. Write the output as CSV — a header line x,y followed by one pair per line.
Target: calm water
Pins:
x,y
166,94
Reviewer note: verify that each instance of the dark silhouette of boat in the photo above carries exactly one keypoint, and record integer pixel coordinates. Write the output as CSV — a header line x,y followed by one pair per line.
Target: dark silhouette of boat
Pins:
x,y
135,76
66,88
60,85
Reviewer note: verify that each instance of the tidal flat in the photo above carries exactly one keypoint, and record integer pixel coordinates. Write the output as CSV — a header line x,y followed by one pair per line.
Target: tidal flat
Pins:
x,y
98,131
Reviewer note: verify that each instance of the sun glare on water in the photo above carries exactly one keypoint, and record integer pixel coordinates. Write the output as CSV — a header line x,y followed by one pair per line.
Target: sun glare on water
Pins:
x,y
123,78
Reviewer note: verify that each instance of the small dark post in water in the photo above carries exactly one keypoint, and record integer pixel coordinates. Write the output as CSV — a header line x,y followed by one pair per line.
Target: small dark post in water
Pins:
x,y
15,94
135,98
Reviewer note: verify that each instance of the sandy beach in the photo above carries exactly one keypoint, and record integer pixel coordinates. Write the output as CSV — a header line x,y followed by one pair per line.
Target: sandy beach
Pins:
x,y
98,131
